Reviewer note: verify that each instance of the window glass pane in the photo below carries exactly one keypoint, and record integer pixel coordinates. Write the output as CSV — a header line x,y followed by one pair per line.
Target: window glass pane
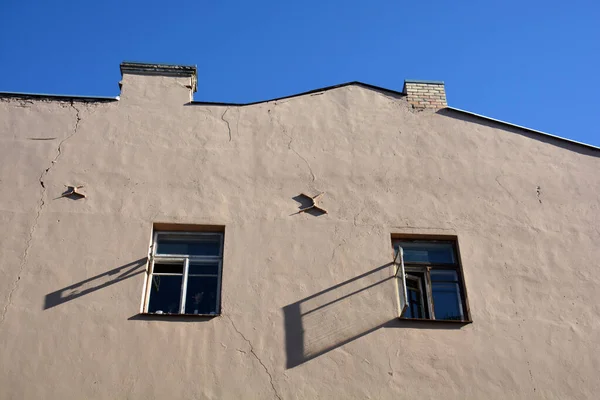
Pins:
x,y
447,301
435,253
165,294
204,268
168,268
200,245
439,275
415,298
201,297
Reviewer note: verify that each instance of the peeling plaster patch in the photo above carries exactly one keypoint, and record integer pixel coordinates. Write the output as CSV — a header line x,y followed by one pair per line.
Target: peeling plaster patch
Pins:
x,y
357,215
255,356
37,216
24,103
539,193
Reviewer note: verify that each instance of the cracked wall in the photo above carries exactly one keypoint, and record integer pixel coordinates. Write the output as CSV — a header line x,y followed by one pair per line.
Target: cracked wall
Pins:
x,y
525,212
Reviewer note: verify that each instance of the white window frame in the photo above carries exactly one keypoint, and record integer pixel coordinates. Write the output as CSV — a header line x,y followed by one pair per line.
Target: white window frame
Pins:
x,y
400,275
185,259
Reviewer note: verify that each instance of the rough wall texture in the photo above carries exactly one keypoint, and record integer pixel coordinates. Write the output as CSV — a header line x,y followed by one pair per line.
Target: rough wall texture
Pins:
x,y
525,211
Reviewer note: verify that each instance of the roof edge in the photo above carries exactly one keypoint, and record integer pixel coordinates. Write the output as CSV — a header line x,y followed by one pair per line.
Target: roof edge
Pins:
x,y
589,146
25,95
310,92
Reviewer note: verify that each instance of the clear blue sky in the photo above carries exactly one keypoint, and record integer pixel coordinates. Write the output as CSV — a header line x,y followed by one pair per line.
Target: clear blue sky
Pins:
x,y
530,62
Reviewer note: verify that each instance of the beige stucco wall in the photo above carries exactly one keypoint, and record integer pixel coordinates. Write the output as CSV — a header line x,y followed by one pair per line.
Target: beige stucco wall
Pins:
x,y
72,271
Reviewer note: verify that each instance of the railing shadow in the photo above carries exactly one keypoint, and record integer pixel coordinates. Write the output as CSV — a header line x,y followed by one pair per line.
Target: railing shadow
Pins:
x,y
338,315
346,312
94,283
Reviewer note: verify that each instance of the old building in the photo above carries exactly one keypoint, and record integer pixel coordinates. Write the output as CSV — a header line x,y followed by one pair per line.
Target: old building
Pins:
x,y
275,228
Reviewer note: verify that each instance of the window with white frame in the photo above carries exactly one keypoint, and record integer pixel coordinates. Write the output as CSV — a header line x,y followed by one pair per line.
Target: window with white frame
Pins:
x,y
184,276
430,280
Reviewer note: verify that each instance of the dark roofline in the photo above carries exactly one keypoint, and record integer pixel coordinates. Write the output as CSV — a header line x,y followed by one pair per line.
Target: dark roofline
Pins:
x,y
64,97
187,69
324,89
472,114
382,89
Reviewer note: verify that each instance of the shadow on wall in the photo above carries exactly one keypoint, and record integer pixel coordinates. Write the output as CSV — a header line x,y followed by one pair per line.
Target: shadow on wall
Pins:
x,y
345,312
338,315
304,203
95,283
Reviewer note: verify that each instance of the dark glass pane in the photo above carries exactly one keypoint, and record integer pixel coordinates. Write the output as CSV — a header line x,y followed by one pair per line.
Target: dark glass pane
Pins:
x,y
440,275
201,297
414,309
168,268
435,253
447,301
415,299
191,245
165,294
204,268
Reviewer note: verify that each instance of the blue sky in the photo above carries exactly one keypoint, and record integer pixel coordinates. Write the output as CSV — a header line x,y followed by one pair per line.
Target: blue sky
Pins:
x,y
530,62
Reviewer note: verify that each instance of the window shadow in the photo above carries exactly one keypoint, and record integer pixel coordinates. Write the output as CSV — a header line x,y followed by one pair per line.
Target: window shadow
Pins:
x,y
346,312
94,283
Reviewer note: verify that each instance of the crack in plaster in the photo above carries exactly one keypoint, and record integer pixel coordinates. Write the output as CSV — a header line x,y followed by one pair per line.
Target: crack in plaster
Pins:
x,y
37,216
334,251
312,174
227,122
505,189
255,356
289,146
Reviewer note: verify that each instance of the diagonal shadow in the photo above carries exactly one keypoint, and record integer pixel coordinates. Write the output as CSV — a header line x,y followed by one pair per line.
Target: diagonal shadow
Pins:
x,y
343,313
94,283
337,315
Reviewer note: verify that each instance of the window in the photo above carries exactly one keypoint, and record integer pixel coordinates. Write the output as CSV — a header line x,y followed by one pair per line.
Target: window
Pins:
x,y
430,280
185,273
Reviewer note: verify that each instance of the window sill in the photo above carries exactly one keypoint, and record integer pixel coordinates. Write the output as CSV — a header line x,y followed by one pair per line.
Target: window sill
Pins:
x,y
437,321
173,317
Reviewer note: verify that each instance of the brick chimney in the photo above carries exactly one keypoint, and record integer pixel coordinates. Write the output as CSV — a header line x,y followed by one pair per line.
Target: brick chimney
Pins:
x,y
425,94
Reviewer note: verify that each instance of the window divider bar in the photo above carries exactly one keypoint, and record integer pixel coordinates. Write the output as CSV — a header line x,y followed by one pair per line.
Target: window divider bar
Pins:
x,y
186,267
219,277
429,293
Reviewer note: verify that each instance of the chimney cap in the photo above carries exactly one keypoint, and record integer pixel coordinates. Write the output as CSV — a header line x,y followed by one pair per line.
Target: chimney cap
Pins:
x,y
426,82
140,68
